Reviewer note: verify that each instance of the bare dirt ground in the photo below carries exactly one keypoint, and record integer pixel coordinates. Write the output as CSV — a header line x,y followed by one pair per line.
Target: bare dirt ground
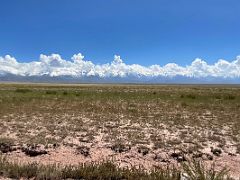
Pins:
x,y
131,125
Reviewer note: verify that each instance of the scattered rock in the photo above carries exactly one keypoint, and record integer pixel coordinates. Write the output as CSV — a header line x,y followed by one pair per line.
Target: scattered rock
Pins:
x,y
119,148
174,155
178,157
33,151
6,147
157,157
165,160
216,151
84,150
181,158
143,150
209,157
231,154
55,145
197,155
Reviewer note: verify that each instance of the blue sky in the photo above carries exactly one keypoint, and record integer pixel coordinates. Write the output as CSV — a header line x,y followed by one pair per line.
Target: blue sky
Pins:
x,y
141,31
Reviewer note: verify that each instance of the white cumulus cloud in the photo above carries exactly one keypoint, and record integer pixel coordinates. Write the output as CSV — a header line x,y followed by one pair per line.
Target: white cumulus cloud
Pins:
x,y
54,65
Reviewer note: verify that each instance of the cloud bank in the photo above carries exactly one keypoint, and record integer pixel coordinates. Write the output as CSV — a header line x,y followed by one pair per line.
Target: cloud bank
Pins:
x,y
54,66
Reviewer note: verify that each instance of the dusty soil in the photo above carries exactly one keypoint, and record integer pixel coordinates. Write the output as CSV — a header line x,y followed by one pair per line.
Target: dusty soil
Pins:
x,y
169,126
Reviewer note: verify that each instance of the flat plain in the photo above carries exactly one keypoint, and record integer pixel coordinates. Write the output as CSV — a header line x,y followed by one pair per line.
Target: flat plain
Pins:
x,y
131,126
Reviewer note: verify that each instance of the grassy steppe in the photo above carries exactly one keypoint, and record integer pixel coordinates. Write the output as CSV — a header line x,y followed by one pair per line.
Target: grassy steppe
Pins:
x,y
188,119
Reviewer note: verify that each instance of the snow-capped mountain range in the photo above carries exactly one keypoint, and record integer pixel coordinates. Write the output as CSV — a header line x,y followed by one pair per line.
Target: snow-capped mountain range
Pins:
x,y
54,68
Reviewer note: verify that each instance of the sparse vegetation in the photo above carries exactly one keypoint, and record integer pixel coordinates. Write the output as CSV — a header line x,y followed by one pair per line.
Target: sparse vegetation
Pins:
x,y
22,90
107,170
124,123
194,170
51,92
6,145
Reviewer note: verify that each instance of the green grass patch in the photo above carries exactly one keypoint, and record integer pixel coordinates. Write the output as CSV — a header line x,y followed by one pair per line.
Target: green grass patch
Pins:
x,y
107,170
